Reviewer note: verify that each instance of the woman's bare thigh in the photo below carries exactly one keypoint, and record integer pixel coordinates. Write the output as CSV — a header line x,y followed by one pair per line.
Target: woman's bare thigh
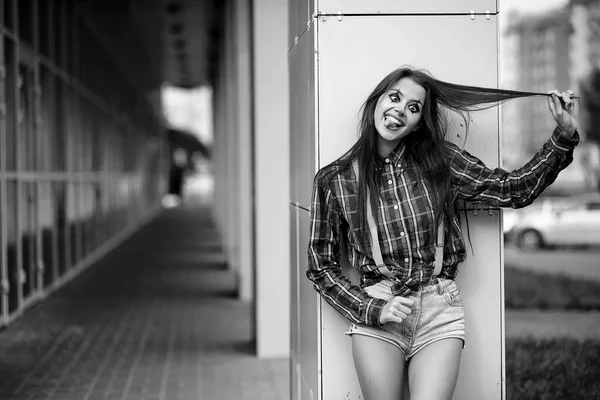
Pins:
x,y
380,368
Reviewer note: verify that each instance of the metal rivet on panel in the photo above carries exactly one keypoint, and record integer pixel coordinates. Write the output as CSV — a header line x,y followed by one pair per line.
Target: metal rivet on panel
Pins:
x,y
472,14
323,18
488,14
340,16
490,211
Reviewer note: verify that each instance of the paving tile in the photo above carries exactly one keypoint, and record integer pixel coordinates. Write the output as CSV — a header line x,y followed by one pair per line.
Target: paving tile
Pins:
x,y
155,319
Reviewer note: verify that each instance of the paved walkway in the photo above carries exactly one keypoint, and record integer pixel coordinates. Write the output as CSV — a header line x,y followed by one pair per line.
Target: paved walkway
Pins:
x,y
155,319
553,324
574,263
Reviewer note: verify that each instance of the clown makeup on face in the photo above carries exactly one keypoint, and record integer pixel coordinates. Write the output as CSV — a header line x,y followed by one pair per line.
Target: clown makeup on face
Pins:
x,y
398,113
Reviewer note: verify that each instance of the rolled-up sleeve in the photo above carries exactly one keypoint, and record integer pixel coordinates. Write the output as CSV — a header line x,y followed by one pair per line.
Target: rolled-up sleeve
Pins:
x,y
474,182
323,267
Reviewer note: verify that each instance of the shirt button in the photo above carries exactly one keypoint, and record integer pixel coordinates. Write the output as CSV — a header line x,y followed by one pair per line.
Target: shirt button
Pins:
x,y
406,260
390,182
395,207
387,160
402,233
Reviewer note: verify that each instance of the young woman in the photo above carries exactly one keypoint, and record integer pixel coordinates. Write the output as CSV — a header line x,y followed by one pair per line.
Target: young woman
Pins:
x,y
387,198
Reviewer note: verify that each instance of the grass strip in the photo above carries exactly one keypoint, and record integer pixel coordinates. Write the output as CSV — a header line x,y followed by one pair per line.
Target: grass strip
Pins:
x,y
527,289
552,369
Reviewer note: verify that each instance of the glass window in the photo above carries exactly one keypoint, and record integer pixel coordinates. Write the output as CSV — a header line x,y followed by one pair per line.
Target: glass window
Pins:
x,y
47,129
11,109
7,15
25,120
48,232
96,140
25,12
3,275
58,31
60,218
28,236
73,126
99,215
89,206
12,247
44,32
58,148
73,214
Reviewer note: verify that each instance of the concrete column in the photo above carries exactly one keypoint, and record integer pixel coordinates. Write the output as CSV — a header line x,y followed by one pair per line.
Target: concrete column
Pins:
x,y
233,117
222,154
245,182
271,146
231,156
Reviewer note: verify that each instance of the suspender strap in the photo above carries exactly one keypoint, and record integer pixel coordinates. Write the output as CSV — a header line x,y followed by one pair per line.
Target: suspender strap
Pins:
x,y
376,249
439,250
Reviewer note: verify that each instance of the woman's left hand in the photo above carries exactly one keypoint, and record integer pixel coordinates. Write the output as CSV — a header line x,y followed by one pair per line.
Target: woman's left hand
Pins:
x,y
565,116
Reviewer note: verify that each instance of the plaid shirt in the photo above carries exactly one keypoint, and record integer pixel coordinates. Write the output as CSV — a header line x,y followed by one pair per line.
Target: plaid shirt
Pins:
x,y
405,217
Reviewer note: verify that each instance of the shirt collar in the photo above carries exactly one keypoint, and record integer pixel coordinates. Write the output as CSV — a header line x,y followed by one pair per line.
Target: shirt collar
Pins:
x,y
394,157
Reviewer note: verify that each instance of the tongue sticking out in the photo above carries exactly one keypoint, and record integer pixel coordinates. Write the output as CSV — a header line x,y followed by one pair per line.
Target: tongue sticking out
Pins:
x,y
392,123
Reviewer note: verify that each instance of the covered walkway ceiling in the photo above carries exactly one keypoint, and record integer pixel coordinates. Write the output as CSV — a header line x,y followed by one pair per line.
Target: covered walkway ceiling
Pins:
x,y
175,41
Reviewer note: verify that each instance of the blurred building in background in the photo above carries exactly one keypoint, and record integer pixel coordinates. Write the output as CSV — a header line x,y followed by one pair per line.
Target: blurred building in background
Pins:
x,y
541,48
542,51
584,51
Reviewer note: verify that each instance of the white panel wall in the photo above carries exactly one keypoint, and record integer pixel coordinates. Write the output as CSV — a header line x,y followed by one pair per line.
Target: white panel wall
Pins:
x,y
295,281
305,334
353,54
406,7
272,166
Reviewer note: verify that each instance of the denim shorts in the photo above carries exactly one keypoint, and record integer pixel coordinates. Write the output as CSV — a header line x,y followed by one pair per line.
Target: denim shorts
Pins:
x,y
437,313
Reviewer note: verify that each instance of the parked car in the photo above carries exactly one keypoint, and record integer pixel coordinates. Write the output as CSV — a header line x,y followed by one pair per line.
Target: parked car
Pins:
x,y
573,221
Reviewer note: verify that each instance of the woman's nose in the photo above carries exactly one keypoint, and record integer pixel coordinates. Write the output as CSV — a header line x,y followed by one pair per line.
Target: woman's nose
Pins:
x,y
401,109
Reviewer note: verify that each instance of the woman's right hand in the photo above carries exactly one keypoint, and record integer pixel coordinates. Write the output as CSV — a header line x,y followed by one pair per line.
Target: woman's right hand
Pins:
x,y
396,310
565,116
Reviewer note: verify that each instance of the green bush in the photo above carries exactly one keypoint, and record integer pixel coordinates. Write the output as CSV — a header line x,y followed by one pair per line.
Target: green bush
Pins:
x,y
558,369
526,289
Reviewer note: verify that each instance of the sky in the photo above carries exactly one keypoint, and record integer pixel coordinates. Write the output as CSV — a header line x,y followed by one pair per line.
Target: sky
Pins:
x,y
189,110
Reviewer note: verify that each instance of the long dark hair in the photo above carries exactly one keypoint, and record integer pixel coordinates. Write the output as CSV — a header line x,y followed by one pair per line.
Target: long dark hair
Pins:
x,y
426,148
